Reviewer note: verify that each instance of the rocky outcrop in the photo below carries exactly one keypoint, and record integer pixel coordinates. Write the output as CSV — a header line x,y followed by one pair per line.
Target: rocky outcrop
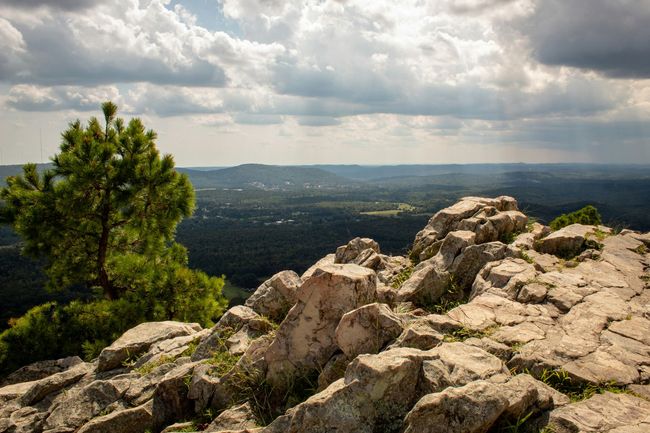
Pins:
x,y
139,339
492,323
306,338
276,295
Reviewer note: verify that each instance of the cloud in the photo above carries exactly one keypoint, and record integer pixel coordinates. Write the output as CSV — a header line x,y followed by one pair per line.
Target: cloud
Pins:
x,y
68,5
37,98
119,42
611,37
318,121
473,7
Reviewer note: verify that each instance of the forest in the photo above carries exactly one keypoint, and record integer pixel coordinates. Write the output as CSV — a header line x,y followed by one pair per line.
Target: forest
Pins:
x,y
270,220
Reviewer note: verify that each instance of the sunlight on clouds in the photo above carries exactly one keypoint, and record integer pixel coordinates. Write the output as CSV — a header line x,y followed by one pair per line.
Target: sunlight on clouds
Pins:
x,y
334,81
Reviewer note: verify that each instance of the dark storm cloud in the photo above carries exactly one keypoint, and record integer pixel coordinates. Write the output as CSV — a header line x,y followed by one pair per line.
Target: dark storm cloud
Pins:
x,y
68,5
608,36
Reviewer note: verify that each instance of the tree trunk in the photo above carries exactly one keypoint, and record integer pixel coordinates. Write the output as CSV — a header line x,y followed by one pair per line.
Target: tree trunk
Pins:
x,y
102,276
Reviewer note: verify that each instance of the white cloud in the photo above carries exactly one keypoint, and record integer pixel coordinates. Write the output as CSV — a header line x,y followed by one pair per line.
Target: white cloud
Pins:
x,y
450,72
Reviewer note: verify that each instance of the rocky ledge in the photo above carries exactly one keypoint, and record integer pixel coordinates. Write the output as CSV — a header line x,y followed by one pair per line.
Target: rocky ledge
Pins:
x,y
492,324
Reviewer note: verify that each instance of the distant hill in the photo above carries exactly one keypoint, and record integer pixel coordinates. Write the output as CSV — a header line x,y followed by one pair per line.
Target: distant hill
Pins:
x,y
266,177
422,171
12,170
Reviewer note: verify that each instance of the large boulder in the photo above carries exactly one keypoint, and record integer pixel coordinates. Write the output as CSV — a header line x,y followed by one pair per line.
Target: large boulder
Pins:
x,y
236,418
454,218
41,388
135,420
349,252
569,241
139,339
466,266
276,295
306,338
504,278
367,329
170,400
472,408
378,390
608,412
78,406
40,369
425,286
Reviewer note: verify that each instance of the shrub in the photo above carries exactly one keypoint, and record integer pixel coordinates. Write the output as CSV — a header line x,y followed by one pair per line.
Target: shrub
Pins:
x,y
588,215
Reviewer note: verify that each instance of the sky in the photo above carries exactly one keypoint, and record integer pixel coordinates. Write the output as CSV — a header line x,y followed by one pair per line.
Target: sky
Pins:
x,y
226,82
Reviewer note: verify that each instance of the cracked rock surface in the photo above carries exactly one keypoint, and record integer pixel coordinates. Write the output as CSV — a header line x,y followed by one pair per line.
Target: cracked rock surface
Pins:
x,y
549,332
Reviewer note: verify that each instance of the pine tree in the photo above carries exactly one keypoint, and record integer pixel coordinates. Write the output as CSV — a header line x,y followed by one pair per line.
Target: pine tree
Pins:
x,y
106,212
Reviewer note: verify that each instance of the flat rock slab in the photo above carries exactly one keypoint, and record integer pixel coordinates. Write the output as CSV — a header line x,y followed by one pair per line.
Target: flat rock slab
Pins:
x,y
139,339
603,413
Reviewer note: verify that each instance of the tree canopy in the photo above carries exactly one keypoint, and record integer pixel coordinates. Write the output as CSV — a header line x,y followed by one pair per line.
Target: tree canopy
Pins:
x,y
588,215
103,218
109,194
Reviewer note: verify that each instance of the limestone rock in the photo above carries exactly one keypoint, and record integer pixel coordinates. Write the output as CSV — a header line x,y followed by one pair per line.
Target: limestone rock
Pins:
x,y
168,350
603,413
23,420
276,295
348,253
56,382
78,406
236,418
327,260
39,370
178,427
170,400
504,278
426,285
568,241
139,339
420,335
473,258
456,364
472,408
333,370
233,321
135,420
306,338
449,219
367,329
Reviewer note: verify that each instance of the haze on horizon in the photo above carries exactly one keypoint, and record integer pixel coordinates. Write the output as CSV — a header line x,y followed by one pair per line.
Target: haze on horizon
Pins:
x,y
225,82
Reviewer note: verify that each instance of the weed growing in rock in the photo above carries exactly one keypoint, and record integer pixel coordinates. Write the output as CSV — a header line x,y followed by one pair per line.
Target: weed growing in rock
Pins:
x,y
509,237
148,367
561,381
222,362
400,278
464,333
511,425
527,258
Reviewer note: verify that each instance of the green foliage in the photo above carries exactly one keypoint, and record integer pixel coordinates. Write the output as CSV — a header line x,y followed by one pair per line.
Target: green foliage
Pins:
x,y
223,361
561,381
588,215
51,331
103,218
450,299
463,334
249,385
108,194
400,278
